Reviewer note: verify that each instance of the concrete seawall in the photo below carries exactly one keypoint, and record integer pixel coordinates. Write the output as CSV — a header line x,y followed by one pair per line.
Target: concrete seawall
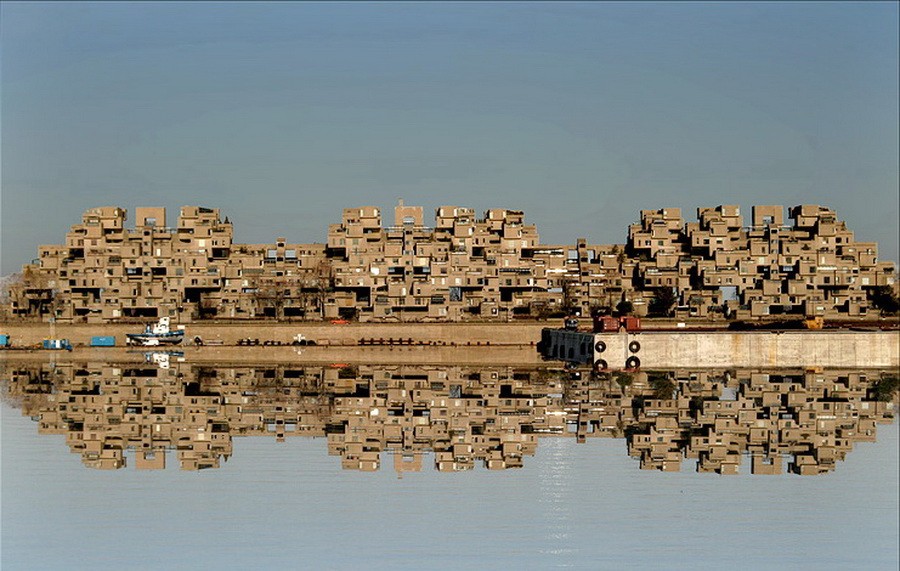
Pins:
x,y
726,349
514,356
323,333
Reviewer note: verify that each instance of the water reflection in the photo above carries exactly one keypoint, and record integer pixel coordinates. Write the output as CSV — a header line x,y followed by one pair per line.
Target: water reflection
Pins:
x,y
803,422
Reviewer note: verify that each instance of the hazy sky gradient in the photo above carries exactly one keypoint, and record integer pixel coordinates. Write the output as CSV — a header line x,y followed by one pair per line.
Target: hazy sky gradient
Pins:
x,y
579,114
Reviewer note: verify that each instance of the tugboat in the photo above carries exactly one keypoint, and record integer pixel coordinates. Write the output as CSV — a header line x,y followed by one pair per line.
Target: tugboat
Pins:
x,y
159,334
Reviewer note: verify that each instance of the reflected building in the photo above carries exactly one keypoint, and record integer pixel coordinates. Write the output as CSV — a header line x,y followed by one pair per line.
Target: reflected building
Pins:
x,y
800,421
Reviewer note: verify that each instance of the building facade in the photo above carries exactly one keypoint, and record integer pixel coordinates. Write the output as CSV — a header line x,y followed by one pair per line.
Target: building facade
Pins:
x,y
462,268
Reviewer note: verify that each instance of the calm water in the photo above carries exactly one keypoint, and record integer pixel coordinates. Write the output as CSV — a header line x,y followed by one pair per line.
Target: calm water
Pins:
x,y
565,488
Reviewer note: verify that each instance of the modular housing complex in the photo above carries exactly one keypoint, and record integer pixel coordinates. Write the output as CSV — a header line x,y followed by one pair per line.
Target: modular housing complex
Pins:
x,y
462,268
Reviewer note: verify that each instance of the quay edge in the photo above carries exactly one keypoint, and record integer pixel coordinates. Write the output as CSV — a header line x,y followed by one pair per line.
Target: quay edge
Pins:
x,y
723,349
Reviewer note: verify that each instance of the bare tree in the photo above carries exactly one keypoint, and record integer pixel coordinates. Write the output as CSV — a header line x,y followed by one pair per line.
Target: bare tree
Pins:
x,y
208,307
570,290
33,294
269,297
315,287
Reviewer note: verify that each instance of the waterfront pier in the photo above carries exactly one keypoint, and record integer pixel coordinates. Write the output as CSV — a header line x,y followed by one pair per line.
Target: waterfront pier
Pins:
x,y
724,349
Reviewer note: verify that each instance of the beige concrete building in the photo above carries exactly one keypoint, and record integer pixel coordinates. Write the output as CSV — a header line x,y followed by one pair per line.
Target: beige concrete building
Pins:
x,y
462,268
107,272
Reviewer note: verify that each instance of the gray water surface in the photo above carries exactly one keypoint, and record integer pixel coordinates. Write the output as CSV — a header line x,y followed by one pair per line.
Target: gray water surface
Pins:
x,y
574,505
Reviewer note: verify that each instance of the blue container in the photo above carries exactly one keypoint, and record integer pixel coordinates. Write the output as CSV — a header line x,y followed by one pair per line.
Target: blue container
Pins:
x,y
4,340
57,344
103,341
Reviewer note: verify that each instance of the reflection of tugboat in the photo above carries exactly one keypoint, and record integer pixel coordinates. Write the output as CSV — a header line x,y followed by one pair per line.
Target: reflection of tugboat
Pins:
x,y
159,334
161,358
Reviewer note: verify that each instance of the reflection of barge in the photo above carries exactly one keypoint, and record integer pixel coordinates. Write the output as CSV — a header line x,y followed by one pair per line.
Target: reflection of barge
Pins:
x,y
159,334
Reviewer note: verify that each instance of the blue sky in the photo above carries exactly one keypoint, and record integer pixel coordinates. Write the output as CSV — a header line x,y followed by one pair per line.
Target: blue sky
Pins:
x,y
580,114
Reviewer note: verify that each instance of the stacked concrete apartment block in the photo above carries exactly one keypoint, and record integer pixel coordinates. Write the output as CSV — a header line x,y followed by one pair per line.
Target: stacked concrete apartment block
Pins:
x,y
462,268
813,267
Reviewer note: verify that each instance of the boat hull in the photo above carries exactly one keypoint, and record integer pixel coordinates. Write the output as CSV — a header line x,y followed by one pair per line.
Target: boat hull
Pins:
x,y
151,339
